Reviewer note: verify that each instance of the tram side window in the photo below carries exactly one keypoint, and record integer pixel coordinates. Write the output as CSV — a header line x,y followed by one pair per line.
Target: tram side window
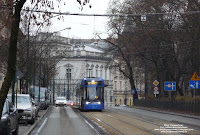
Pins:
x,y
84,93
98,92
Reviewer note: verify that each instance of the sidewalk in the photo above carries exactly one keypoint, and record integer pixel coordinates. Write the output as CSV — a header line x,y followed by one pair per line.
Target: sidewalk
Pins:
x,y
183,114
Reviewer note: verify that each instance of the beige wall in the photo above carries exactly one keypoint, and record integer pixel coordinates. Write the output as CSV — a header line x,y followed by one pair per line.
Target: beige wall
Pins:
x,y
119,100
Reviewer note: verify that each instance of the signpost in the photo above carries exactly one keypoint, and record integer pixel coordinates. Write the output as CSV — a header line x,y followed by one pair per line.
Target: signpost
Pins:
x,y
170,86
143,18
132,91
156,90
155,83
194,83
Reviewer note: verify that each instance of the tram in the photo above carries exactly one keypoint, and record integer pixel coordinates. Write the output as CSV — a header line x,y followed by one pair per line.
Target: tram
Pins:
x,y
91,94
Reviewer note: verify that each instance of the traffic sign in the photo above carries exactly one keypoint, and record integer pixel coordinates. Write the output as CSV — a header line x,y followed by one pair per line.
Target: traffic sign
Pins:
x,y
194,84
156,83
132,91
170,86
156,92
195,77
143,18
155,89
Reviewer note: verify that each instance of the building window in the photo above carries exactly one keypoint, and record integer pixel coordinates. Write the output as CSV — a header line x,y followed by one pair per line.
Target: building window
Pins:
x,y
101,73
78,53
96,73
68,73
105,74
115,85
120,85
91,73
125,85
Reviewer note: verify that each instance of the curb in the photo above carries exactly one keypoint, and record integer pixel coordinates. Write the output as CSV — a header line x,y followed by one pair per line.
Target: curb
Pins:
x,y
36,123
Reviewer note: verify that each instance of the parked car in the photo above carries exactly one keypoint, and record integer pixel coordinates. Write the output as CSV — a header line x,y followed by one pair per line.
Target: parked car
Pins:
x,y
10,119
44,99
61,101
70,103
26,108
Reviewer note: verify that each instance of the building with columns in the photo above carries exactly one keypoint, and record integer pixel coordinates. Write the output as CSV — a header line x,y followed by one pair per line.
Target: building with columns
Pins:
x,y
83,60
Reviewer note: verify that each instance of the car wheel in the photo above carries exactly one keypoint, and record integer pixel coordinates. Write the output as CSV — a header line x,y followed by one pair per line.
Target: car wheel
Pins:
x,y
16,130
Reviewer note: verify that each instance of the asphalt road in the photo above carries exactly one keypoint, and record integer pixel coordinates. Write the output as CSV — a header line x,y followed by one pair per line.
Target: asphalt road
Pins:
x,y
63,121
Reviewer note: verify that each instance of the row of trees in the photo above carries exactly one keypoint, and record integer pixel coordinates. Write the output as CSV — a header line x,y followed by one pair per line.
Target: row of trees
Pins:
x,y
15,49
165,46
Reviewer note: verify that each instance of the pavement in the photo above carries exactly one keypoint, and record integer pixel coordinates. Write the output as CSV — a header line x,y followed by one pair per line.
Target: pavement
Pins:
x,y
183,114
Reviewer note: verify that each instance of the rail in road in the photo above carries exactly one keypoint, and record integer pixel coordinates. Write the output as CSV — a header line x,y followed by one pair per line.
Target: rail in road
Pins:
x,y
117,122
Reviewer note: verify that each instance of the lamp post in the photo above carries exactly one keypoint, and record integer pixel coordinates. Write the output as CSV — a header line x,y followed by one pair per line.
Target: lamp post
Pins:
x,y
68,75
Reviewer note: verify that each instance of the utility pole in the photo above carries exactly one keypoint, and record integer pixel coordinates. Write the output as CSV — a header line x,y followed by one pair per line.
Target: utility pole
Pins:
x,y
68,76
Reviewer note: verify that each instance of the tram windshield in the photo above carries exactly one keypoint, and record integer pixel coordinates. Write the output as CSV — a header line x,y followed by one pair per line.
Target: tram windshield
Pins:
x,y
93,93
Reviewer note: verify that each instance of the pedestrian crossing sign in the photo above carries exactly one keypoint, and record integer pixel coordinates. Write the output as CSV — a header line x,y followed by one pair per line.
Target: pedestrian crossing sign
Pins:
x,y
195,77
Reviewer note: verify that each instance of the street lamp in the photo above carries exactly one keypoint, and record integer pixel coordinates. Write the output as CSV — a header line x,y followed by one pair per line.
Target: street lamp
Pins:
x,y
68,76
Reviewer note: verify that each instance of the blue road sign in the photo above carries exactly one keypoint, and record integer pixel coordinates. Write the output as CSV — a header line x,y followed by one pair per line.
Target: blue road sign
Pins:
x,y
170,86
194,84
132,91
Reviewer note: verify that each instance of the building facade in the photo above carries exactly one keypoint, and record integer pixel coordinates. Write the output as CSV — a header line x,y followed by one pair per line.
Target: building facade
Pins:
x,y
83,60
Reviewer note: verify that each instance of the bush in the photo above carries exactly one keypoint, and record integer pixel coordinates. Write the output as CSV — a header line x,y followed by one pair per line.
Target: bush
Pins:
x,y
187,98
149,96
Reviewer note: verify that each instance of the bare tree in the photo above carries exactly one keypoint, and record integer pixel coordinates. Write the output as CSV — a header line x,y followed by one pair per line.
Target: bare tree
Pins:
x,y
14,12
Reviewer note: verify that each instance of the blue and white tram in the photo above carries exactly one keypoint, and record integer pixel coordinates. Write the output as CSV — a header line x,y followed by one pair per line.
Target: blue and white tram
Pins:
x,y
92,94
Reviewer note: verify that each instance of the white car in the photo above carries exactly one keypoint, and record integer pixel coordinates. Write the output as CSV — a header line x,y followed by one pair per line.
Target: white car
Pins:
x,y
61,101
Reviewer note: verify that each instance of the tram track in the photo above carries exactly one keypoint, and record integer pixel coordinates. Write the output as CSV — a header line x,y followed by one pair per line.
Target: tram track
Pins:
x,y
157,122
122,124
117,122
117,126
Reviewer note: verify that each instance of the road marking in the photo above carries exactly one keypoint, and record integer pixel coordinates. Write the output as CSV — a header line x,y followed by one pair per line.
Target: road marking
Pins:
x,y
44,122
97,133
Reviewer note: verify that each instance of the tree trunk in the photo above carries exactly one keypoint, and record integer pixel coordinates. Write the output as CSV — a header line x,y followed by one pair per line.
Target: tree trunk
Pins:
x,y
12,54
132,83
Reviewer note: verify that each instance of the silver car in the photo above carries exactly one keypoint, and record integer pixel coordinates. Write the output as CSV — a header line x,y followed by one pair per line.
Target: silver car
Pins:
x,y
26,108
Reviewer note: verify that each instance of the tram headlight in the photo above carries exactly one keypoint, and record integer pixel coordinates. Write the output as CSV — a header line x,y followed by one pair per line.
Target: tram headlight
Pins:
x,y
87,102
99,102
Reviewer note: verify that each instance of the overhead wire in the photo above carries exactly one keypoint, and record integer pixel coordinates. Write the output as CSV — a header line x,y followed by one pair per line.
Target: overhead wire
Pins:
x,y
109,15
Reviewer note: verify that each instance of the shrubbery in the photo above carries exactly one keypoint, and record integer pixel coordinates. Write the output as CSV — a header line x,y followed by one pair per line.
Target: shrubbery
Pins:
x,y
187,98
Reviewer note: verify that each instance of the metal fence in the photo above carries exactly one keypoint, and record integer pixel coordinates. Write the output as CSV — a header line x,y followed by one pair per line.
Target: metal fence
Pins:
x,y
187,107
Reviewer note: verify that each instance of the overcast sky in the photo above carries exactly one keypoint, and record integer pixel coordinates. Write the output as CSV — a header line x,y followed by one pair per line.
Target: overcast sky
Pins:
x,y
82,27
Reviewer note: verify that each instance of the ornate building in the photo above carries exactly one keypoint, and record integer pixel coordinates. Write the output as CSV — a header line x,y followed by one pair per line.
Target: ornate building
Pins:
x,y
83,60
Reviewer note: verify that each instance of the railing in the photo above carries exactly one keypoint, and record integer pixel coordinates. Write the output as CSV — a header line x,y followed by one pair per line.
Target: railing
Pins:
x,y
187,107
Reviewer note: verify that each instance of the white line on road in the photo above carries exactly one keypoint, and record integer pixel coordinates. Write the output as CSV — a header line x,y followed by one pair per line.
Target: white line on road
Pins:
x,y
41,126
92,127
